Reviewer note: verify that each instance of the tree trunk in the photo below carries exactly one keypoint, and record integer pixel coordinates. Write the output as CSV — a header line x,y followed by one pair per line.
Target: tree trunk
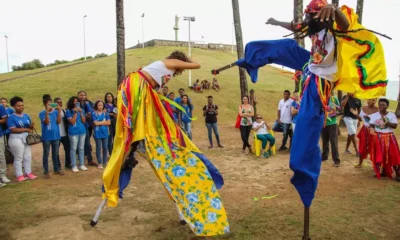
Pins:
x,y
120,41
398,103
335,2
298,16
239,47
359,11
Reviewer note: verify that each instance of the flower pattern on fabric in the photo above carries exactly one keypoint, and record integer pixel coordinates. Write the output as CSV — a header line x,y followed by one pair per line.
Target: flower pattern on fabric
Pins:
x,y
318,53
381,123
190,186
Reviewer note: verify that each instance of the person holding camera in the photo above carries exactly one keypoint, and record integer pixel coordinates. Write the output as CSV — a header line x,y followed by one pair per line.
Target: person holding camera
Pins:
x,y
50,119
77,133
210,112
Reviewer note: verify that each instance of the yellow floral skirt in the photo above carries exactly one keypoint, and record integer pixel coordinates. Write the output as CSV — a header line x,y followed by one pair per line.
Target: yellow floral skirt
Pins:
x,y
141,116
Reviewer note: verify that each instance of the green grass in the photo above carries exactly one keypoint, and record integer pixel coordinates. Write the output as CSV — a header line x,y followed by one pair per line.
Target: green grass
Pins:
x,y
99,77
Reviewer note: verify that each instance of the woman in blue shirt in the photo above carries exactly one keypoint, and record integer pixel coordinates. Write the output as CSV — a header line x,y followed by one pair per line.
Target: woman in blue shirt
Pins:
x,y
50,119
101,121
20,124
186,118
76,132
110,106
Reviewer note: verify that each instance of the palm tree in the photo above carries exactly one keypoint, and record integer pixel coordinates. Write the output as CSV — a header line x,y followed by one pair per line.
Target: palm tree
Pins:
x,y
120,41
239,47
298,15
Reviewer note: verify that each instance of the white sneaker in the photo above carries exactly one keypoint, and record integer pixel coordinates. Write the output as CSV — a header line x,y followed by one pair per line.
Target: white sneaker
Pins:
x,y
75,169
83,168
100,166
4,179
2,184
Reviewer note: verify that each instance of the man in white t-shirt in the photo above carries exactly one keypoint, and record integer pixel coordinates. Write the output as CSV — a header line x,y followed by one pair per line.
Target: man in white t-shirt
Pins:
x,y
285,118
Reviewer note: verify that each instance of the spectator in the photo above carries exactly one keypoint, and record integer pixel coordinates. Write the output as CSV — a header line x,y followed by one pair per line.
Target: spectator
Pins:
x,y
253,102
164,91
215,84
50,120
210,113
387,154
3,163
87,106
365,139
174,112
9,111
110,106
101,121
246,112
329,133
64,139
186,117
20,125
295,109
181,91
349,103
197,86
263,135
76,133
205,84
285,118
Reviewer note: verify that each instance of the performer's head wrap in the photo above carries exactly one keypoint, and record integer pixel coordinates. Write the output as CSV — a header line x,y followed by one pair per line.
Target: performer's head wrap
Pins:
x,y
315,6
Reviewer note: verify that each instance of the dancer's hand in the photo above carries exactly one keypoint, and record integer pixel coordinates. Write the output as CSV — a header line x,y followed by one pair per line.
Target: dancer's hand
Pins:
x,y
272,21
329,11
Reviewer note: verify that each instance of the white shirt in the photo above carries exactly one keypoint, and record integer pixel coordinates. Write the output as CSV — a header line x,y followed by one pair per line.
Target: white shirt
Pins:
x,y
379,122
62,125
159,72
262,130
364,117
286,110
322,61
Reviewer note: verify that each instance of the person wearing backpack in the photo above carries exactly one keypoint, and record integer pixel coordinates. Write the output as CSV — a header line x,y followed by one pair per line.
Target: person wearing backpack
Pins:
x,y
210,112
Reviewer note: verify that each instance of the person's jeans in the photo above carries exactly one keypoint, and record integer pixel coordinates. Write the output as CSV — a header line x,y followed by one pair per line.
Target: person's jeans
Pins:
x,y
245,134
265,138
88,146
101,145
3,163
22,153
67,149
329,134
188,129
54,144
286,133
77,142
210,128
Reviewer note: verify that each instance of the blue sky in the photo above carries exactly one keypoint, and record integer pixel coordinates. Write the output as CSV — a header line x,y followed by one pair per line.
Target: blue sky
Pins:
x,y
50,30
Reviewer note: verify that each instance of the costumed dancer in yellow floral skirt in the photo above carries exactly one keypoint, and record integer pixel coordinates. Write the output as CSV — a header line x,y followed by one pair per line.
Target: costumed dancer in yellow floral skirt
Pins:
x,y
189,178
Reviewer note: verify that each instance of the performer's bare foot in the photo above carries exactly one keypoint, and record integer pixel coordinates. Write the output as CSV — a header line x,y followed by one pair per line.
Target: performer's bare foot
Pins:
x,y
211,146
358,166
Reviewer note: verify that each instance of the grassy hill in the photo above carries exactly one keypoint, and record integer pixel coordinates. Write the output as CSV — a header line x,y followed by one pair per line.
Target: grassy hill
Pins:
x,y
99,77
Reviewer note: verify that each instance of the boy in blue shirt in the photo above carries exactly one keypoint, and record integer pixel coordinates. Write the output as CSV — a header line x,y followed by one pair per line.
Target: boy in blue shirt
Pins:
x,y
3,164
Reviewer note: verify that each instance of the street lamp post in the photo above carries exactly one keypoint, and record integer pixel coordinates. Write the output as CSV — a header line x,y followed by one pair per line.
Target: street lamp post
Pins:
x,y
142,30
189,19
84,37
8,65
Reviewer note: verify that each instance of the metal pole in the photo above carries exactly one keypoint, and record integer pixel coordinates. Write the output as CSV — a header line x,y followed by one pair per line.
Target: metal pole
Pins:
x,y
142,31
233,26
84,37
190,54
8,65
306,235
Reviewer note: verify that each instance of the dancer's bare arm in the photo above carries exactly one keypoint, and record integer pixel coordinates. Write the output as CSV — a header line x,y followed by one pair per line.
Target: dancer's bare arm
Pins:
x,y
286,25
178,64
